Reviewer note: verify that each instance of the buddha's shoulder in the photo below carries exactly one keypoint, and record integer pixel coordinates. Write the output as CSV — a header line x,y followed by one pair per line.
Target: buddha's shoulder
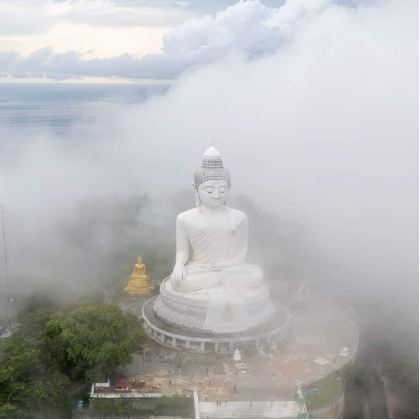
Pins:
x,y
194,213
186,215
237,214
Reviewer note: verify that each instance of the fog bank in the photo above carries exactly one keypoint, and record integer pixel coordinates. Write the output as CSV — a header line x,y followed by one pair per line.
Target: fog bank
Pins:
x,y
321,129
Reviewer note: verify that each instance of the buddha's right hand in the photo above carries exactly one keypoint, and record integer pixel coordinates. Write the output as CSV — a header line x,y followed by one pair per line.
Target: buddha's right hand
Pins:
x,y
177,276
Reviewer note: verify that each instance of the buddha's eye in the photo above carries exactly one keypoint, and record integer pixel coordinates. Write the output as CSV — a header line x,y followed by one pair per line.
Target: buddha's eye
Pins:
x,y
209,190
222,190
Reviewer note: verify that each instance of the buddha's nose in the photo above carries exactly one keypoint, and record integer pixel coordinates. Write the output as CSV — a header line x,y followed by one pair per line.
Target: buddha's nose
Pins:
x,y
216,194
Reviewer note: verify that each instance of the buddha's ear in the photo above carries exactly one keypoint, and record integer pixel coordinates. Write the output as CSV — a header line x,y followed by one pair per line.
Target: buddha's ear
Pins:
x,y
197,199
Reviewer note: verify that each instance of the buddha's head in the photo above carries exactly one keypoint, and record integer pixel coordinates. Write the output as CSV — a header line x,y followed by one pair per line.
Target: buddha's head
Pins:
x,y
211,181
139,259
213,193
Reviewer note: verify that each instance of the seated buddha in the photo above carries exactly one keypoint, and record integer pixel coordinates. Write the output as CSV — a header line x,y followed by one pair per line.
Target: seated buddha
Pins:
x,y
138,281
211,267
139,269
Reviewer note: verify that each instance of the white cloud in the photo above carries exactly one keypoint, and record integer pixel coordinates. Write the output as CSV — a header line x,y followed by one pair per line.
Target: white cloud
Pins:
x,y
240,27
111,14
324,130
39,16
91,42
310,5
247,28
6,59
24,17
199,6
99,26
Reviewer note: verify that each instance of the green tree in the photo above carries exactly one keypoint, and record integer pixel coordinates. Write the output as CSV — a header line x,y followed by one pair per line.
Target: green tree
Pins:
x,y
30,384
40,298
97,338
58,298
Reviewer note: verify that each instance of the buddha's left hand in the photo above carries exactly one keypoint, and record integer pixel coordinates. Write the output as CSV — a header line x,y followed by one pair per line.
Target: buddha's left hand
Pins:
x,y
177,275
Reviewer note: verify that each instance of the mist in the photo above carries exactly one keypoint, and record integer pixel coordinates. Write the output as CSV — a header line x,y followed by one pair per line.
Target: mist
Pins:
x,y
320,131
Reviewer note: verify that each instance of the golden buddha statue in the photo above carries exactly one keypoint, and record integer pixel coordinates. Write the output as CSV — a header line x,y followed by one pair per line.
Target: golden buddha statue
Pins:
x,y
138,283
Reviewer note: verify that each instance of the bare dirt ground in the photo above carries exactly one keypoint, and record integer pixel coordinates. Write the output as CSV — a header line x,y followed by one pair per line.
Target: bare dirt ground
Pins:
x,y
318,330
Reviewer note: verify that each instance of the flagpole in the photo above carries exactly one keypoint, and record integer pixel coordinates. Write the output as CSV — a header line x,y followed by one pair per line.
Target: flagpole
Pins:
x,y
9,314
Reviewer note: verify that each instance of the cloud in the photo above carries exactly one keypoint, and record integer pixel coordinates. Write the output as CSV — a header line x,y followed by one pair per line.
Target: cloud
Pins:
x,y
71,65
202,7
114,14
248,28
6,59
323,129
39,16
25,17
241,27
198,6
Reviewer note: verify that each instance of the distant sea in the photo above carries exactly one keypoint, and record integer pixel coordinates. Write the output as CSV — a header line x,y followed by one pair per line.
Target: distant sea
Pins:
x,y
62,105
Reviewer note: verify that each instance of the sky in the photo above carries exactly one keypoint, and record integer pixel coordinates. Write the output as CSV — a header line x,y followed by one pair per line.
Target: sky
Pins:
x,y
138,40
312,104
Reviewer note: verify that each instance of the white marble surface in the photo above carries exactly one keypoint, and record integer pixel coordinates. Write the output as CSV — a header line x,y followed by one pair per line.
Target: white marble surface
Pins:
x,y
237,356
212,287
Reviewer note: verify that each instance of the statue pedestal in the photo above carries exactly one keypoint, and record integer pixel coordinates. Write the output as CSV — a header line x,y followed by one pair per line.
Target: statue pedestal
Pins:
x,y
274,330
138,286
214,310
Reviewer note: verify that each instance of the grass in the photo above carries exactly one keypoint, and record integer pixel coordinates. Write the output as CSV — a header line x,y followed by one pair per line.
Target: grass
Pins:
x,y
328,388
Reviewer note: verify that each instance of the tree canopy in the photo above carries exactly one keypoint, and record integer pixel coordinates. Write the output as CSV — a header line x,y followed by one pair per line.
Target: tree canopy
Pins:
x,y
98,338
30,385
53,348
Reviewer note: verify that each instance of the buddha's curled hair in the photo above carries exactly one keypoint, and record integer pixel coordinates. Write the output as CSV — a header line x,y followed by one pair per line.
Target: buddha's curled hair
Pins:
x,y
211,169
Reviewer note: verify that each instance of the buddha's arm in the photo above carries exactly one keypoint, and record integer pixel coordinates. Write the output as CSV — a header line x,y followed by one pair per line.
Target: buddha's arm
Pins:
x,y
182,251
140,269
244,237
241,257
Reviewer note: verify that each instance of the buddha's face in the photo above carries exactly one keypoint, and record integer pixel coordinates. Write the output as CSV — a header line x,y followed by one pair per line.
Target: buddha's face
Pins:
x,y
139,260
213,194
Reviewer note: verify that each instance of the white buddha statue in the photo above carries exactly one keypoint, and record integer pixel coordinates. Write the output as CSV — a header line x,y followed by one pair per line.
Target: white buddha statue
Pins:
x,y
237,356
212,239
211,276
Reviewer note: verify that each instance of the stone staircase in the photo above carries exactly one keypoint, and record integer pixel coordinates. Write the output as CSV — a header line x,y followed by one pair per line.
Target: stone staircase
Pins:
x,y
242,410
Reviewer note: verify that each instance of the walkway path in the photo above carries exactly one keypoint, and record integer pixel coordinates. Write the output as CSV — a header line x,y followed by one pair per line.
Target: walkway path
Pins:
x,y
242,410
